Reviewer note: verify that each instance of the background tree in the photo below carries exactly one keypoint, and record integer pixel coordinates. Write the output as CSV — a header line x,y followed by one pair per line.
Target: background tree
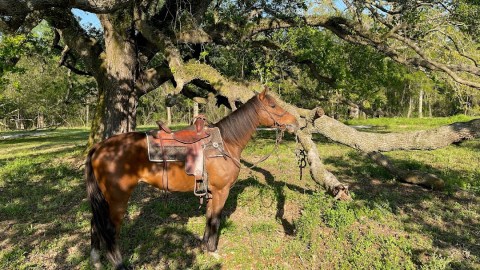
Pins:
x,y
147,43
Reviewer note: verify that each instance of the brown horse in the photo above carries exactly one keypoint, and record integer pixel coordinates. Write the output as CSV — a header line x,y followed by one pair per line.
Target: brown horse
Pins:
x,y
115,166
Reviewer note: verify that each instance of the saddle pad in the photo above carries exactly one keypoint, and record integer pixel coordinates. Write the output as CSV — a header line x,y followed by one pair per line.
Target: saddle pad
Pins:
x,y
170,153
213,147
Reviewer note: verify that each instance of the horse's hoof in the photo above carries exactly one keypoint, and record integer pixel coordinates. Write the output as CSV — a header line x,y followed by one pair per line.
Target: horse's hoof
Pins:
x,y
95,256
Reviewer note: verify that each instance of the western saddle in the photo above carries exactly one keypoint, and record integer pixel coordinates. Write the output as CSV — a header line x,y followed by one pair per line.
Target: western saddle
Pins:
x,y
187,145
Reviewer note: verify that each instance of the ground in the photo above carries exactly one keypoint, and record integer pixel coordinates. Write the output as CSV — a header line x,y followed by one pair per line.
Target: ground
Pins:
x,y
272,219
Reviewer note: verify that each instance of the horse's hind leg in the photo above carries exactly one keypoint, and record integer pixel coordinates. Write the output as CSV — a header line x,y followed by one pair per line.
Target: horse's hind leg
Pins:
x,y
118,208
106,219
214,214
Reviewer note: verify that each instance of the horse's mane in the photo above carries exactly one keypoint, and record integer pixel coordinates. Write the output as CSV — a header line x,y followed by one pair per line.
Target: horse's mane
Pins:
x,y
238,127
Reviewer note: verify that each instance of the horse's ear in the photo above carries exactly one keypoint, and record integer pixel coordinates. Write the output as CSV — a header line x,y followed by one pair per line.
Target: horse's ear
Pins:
x,y
261,96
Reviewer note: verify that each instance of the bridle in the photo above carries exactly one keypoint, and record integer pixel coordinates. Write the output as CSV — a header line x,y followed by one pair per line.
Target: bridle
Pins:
x,y
277,125
280,130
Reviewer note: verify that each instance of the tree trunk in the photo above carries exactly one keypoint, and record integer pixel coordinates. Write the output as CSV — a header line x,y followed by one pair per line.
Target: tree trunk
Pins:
x,y
169,116
410,107
195,109
430,113
87,112
420,104
97,126
40,120
117,103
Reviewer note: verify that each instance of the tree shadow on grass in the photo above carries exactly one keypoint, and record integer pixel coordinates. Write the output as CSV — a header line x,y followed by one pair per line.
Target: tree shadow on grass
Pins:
x,y
158,236
449,218
280,196
42,206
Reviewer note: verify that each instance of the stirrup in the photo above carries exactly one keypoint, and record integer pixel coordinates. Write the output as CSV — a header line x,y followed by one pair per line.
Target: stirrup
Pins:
x,y
200,192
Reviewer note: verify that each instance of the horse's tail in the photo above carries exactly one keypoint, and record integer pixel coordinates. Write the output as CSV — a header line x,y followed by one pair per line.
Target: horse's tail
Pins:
x,y
102,228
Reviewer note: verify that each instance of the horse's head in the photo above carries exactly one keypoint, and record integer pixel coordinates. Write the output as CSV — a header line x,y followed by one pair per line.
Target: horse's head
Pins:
x,y
272,115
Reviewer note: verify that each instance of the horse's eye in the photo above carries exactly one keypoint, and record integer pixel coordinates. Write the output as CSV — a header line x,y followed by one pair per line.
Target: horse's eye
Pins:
x,y
273,105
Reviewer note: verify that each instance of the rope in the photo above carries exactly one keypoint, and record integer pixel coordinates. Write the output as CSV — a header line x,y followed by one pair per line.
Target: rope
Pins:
x,y
301,156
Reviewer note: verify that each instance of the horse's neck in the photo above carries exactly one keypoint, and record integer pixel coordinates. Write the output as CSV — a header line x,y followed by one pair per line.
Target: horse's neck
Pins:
x,y
238,134
237,149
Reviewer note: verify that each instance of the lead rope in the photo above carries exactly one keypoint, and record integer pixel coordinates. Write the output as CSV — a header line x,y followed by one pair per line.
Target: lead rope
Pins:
x,y
301,156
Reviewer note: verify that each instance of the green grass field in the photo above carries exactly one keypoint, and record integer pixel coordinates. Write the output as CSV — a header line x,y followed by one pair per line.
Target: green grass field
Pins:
x,y
272,219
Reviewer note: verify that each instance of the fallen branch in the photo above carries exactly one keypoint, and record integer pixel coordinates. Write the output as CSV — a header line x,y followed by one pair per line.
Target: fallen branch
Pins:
x,y
416,140
372,144
318,171
408,176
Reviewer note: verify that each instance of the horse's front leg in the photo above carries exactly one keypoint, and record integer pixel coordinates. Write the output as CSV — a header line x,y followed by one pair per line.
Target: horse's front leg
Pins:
x,y
214,214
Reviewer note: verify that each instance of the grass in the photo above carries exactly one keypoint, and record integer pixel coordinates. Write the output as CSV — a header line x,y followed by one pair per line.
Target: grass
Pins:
x,y
272,219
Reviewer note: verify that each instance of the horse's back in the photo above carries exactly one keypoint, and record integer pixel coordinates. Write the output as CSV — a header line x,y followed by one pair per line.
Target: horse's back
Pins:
x,y
116,159
121,148
122,160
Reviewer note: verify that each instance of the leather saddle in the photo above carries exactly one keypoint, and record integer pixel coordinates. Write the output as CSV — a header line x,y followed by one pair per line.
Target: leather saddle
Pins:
x,y
186,145
189,135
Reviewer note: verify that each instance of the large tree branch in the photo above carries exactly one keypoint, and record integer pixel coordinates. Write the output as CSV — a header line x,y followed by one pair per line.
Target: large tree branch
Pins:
x,y
317,169
434,65
290,55
76,38
416,140
152,78
19,8
172,12
343,28
372,144
23,23
408,176
64,60
354,32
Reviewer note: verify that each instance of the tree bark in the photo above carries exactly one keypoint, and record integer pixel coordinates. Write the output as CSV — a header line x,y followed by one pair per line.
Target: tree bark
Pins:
x,y
87,114
195,109
430,113
420,104
169,116
97,126
416,140
118,82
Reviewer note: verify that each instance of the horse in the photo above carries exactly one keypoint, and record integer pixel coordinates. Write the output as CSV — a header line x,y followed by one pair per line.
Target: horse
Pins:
x,y
116,165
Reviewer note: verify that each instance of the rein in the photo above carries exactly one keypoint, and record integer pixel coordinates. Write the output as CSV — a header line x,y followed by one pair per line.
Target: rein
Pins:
x,y
278,140
279,136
